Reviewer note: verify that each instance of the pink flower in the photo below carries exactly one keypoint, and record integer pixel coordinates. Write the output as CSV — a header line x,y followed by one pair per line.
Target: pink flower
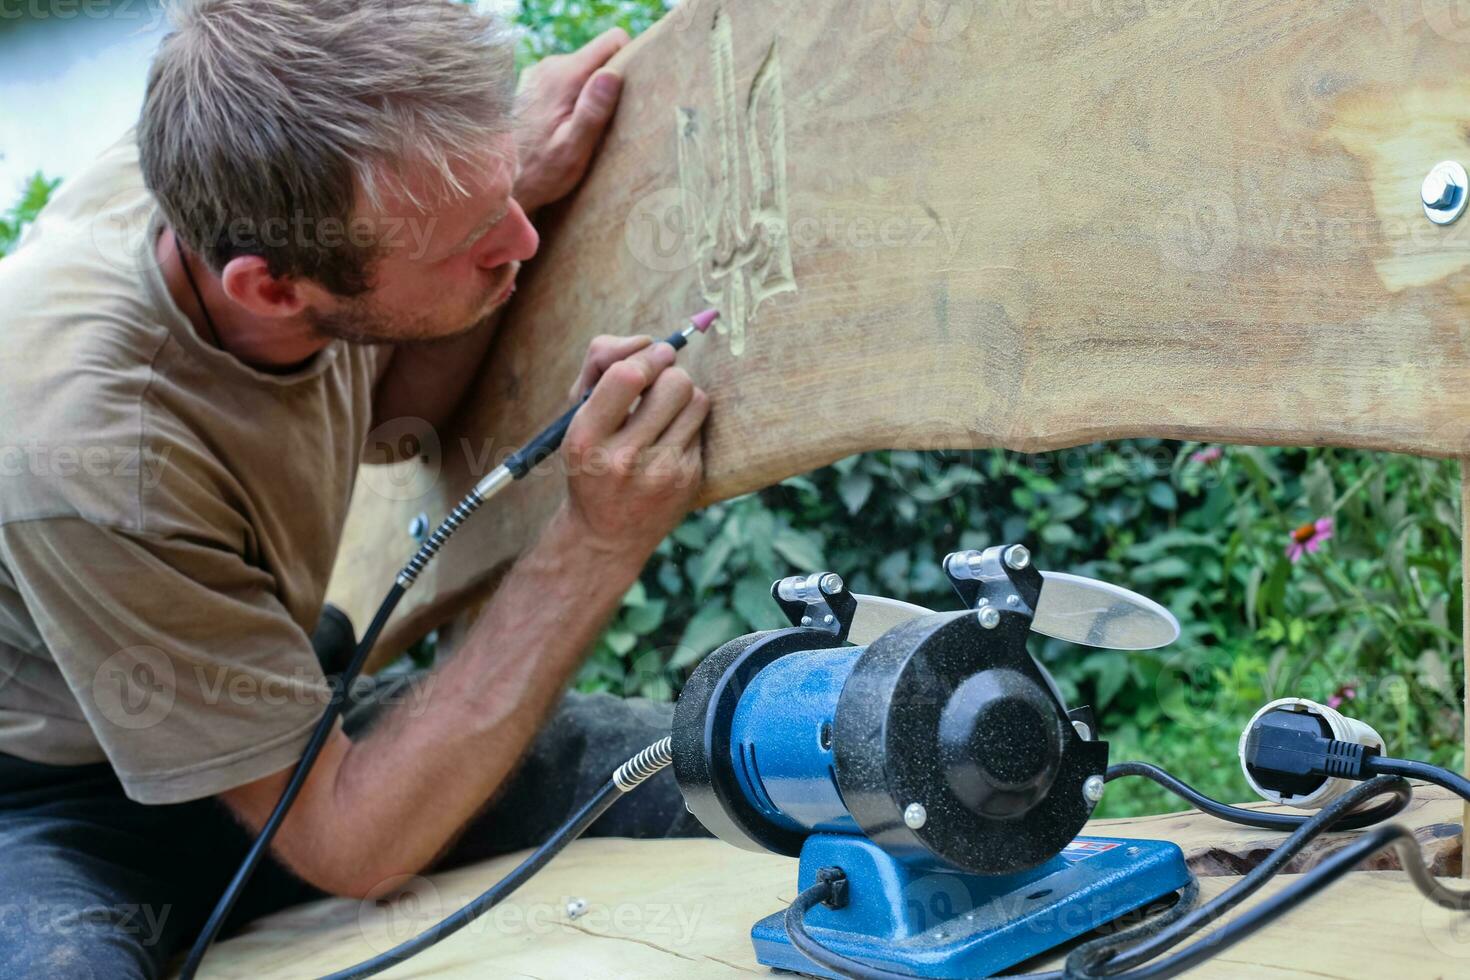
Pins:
x,y
1309,537
1207,455
1344,693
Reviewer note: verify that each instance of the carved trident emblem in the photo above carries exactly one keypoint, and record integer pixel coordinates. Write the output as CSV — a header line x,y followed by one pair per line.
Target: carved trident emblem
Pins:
x,y
740,226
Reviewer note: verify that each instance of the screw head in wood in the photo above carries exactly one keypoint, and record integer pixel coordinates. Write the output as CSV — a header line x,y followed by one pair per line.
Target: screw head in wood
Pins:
x,y
1444,192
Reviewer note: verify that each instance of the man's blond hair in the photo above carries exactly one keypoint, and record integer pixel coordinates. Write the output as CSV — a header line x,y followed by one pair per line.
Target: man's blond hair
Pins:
x,y
267,122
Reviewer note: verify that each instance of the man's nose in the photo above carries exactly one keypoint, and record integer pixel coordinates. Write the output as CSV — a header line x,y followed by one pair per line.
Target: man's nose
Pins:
x,y
517,242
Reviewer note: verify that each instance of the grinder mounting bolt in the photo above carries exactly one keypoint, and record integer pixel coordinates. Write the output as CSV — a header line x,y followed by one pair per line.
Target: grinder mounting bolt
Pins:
x,y
989,616
1018,557
915,816
1092,790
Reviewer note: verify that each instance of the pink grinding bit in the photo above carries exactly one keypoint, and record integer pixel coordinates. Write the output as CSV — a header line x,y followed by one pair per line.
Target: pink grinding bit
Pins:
x,y
702,321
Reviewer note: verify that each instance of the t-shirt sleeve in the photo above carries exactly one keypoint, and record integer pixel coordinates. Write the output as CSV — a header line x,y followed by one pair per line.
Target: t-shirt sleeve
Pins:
x,y
191,673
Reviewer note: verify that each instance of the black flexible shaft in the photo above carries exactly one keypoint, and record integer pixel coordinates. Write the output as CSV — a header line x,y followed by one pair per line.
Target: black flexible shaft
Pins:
x,y
455,921
542,445
1250,818
533,453
1452,781
313,749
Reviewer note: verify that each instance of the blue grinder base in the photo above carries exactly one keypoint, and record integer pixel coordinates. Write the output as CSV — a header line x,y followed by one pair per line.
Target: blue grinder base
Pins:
x,y
950,924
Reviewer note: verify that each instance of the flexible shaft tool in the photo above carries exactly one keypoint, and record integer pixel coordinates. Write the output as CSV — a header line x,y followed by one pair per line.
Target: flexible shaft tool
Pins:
x,y
520,463
523,461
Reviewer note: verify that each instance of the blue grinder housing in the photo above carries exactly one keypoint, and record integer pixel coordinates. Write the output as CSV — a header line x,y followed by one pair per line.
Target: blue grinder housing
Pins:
x,y
937,765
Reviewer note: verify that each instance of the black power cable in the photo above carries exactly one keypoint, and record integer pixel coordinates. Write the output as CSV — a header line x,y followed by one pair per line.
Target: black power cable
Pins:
x,y
1452,781
822,893
1240,815
1119,957
313,749
455,921
1101,961
628,777
1333,867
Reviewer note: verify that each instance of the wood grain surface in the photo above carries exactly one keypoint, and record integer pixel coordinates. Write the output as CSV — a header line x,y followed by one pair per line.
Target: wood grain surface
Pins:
x,y
1031,224
683,909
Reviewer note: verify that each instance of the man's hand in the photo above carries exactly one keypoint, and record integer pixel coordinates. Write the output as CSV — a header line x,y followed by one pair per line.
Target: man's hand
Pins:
x,y
634,472
605,351
566,102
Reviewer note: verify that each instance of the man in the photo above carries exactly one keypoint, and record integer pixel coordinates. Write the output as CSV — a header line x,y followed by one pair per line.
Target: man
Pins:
x,y
338,197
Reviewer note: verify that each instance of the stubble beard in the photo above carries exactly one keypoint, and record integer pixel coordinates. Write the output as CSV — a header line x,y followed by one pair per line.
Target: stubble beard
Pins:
x,y
360,322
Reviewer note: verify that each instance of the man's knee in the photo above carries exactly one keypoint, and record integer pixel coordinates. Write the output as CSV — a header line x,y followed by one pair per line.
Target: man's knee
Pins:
x,y
626,721
46,937
614,730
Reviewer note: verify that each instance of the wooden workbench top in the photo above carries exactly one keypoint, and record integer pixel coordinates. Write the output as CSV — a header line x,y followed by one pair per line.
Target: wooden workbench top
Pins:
x,y
683,909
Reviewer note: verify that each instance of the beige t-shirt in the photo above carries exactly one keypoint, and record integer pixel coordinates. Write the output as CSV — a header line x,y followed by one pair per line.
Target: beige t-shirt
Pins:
x,y
168,515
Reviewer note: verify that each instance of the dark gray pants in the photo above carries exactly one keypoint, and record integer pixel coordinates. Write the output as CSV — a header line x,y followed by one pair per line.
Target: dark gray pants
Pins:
x,y
93,885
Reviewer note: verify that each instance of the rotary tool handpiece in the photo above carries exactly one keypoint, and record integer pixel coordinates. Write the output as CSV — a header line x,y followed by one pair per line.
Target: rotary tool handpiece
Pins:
x,y
549,439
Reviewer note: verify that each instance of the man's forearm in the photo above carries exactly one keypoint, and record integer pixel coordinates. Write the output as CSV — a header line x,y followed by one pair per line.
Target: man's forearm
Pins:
x,y
405,791
387,805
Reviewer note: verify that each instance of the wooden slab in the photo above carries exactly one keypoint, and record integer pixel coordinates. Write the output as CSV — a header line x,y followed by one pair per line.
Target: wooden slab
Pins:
x,y
1031,224
1215,848
683,909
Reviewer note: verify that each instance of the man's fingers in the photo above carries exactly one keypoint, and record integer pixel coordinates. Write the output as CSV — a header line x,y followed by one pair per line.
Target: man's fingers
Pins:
x,y
595,105
596,52
604,353
615,392
661,404
684,430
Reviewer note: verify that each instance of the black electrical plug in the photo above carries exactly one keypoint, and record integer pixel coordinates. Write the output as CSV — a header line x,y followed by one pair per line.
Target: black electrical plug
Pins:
x,y
1293,753
1305,754
836,881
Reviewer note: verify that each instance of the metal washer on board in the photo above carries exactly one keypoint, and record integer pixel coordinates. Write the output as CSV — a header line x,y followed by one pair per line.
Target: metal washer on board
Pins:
x,y
1444,193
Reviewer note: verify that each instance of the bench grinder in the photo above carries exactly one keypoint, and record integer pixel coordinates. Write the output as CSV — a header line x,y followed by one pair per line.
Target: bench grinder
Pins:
x,y
931,758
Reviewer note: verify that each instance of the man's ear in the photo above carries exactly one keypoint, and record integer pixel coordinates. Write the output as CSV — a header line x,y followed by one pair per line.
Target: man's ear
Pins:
x,y
247,280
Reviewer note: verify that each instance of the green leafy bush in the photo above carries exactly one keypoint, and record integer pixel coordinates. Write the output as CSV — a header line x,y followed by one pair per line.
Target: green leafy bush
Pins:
x,y
1372,618
557,26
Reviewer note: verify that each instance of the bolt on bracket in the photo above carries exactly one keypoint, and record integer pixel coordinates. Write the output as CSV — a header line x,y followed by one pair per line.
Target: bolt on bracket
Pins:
x,y
818,601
